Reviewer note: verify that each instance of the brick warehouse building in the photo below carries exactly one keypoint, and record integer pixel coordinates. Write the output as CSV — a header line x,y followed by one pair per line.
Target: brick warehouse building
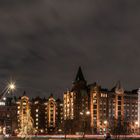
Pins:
x,y
92,109
47,114
86,108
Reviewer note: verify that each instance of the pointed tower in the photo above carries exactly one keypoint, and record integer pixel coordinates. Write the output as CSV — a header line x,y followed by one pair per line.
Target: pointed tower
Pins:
x,y
76,104
79,75
79,82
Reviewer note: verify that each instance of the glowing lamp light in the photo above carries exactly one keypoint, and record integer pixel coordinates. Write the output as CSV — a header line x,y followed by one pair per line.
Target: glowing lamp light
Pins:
x,y
4,98
136,123
87,113
12,86
105,122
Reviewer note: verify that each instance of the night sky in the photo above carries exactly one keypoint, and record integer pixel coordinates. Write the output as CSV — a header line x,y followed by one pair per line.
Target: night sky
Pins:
x,y
43,42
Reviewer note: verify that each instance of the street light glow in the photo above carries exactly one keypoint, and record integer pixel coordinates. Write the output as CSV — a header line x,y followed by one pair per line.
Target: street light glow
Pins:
x,y
12,86
87,113
4,98
105,122
136,123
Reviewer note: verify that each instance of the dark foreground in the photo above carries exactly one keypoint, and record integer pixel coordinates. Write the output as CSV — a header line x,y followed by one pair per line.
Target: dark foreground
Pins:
x,y
64,139
75,137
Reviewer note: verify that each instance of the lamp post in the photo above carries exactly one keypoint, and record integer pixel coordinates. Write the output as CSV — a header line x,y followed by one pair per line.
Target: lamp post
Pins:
x,y
84,114
8,88
11,87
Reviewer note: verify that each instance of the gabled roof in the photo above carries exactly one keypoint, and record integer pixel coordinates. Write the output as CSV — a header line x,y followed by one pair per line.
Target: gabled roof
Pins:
x,y
117,87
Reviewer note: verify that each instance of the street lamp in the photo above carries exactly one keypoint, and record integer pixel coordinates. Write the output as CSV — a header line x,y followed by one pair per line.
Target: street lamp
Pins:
x,y
11,86
84,114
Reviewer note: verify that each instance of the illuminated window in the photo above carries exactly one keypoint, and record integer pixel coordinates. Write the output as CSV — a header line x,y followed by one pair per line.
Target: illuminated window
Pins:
x,y
36,110
24,103
2,103
36,102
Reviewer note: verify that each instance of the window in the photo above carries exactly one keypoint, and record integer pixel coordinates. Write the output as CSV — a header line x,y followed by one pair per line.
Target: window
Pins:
x,y
119,102
119,107
95,112
119,97
119,113
95,106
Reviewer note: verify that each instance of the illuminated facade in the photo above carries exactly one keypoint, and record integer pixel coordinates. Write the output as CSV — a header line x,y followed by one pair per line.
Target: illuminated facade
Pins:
x,y
69,98
109,109
112,108
22,107
25,121
50,115
47,114
86,109
76,106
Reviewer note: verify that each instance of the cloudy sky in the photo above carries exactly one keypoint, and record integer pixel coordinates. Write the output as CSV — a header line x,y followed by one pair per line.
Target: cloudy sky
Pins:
x,y
42,43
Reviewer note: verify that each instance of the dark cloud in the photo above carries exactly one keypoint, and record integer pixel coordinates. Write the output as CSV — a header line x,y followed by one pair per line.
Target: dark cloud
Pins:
x,y
43,43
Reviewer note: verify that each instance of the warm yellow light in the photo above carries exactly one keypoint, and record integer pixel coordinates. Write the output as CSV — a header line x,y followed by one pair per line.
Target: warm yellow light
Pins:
x,y
59,130
0,129
136,123
12,86
87,113
105,122
81,113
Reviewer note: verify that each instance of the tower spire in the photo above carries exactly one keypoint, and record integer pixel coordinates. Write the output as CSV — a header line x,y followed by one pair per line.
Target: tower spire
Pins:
x,y
79,75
